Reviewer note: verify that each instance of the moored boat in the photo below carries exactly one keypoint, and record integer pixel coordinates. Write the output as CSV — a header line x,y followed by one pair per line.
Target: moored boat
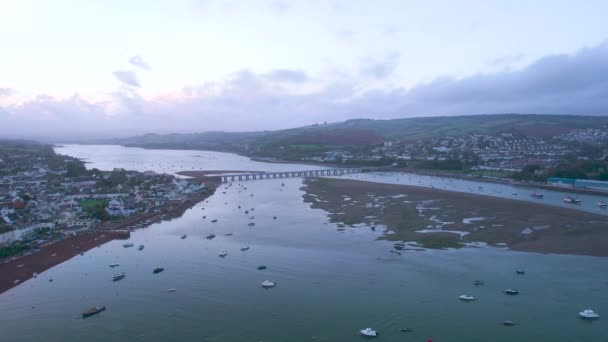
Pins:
x,y
246,248
158,270
511,292
588,314
128,245
222,254
119,276
478,282
537,195
602,204
467,297
94,310
184,236
571,200
209,236
508,323
369,332
141,247
268,283
114,265
261,267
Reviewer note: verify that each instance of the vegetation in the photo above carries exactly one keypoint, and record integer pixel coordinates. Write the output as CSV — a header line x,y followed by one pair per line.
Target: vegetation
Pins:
x,y
11,250
96,209
575,169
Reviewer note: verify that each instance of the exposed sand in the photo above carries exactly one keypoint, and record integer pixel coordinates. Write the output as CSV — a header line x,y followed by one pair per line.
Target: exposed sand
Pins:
x,y
439,218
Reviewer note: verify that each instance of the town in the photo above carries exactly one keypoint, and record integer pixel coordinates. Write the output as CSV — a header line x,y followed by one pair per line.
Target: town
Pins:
x,y
45,197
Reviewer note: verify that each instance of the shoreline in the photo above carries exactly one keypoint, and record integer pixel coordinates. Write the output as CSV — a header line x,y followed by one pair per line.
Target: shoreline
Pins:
x,y
22,266
442,219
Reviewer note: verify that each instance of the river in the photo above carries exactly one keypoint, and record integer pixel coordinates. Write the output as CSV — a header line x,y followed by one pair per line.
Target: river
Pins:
x,y
330,284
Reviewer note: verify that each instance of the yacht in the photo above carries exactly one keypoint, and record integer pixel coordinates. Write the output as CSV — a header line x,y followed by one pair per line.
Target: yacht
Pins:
x,y
251,224
119,276
369,332
223,254
508,323
588,314
114,265
93,311
511,292
572,200
172,289
158,270
127,245
261,267
35,275
520,272
184,236
467,297
213,221
602,205
478,282
141,247
246,248
268,283
210,236
537,195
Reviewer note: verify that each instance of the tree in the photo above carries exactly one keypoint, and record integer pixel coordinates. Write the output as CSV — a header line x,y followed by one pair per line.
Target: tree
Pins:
x,y
75,169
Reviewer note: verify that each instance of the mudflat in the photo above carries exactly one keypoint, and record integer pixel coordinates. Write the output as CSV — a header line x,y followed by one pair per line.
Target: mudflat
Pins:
x,y
425,217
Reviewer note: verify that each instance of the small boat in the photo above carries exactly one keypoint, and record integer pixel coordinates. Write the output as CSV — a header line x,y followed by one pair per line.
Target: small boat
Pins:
x,y
572,200
184,236
172,289
35,275
118,276
274,217
602,205
222,254
246,248
368,332
261,267
508,323
141,247
93,311
588,314
406,330
114,265
209,236
467,297
128,245
268,283
158,270
478,282
537,195
520,272
251,224
213,221
50,279
204,217
512,292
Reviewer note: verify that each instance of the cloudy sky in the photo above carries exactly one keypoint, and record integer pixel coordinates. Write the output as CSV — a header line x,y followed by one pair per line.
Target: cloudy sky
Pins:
x,y
102,68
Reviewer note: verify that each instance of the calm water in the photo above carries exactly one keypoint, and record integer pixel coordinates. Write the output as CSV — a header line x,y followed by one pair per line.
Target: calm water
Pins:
x,y
330,284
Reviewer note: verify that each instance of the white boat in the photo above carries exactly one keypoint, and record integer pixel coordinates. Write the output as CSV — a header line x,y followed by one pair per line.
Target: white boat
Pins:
x,y
368,332
588,314
246,248
466,297
35,275
602,205
572,200
172,289
223,254
114,265
511,292
128,244
268,283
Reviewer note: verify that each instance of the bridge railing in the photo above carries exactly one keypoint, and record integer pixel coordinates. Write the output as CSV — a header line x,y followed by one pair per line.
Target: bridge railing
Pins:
x,y
292,174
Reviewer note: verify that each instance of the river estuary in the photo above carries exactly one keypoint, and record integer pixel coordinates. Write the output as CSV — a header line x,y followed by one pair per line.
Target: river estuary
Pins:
x,y
330,284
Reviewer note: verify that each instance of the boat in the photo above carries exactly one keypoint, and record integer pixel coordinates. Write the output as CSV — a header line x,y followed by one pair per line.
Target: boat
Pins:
x,y
537,195
93,311
128,245
274,217
261,267
213,221
119,276
369,332
114,265
141,247
520,272
467,297
209,236
184,236
223,254
172,289
251,224
508,323
35,275
588,314
602,205
268,283
511,292
478,282
406,330
158,270
572,200
246,248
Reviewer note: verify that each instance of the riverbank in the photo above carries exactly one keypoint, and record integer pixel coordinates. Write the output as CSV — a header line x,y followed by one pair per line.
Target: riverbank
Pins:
x,y
20,268
434,218
17,270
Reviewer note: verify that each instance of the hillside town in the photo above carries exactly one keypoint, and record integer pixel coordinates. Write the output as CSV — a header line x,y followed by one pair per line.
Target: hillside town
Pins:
x,y
44,194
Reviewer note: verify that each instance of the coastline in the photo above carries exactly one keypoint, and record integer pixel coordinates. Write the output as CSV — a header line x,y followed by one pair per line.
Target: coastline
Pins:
x,y
22,266
446,219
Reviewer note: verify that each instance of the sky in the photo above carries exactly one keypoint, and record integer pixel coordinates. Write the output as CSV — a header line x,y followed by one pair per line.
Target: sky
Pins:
x,y
116,68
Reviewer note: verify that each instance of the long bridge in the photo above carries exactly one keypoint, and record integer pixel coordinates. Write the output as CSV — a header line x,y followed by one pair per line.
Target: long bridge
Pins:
x,y
290,174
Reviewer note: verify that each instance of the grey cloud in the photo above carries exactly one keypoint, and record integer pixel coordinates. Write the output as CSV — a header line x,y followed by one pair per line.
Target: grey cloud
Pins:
x,y
381,69
558,84
139,62
286,75
127,77
6,91
506,61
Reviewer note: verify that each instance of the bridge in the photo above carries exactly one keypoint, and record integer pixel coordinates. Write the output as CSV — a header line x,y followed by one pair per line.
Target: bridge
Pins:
x,y
290,174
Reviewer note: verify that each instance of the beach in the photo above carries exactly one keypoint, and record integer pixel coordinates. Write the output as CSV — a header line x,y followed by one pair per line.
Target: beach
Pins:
x,y
433,218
